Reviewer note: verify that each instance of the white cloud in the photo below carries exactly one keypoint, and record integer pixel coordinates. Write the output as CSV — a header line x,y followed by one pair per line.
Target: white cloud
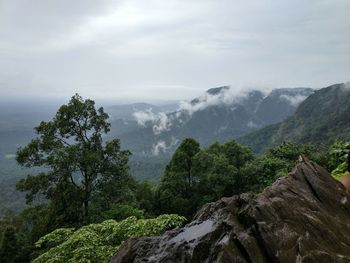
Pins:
x,y
163,123
252,124
142,117
160,121
226,96
294,100
161,146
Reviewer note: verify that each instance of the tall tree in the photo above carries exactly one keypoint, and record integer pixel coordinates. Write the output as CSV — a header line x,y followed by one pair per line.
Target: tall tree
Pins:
x,y
195,176
76,161
181,165
176,188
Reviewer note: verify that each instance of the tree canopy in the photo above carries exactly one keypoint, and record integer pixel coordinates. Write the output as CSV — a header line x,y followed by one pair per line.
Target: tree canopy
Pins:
x,y
75,161
195,176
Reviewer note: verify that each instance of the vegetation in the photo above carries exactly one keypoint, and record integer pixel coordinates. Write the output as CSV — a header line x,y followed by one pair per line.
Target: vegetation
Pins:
x,y
83,202
99,242
196,176
8,252
337,158
320,120
79,165
81,179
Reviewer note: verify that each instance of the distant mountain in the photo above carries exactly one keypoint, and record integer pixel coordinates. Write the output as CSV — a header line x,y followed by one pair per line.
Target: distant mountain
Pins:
x,y
218,115
152,132
126,111
320,119
122,116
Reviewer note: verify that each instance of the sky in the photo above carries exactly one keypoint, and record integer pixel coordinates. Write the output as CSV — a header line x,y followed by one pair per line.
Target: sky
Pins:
x,y
137,50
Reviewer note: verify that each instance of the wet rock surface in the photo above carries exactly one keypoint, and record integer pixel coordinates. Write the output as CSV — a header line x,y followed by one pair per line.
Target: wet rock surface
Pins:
x,y
303,217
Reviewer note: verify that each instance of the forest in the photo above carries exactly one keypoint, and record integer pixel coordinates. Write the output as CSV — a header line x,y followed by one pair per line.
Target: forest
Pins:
x,y
83,201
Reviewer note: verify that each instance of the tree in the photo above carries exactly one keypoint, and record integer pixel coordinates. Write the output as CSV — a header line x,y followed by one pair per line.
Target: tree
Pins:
x,y
338,158
180,167
175,190
290,151
76,162
9,247
219,169
195,176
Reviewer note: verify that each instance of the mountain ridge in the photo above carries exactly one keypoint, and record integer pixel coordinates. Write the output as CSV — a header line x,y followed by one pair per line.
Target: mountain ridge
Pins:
x,y
320,119
217,115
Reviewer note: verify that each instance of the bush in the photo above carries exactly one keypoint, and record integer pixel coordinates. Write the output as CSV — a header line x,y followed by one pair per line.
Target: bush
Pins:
x,y
98,242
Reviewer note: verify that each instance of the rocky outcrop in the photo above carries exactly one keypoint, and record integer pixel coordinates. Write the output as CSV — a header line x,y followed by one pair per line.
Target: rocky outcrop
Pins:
x,y
302,217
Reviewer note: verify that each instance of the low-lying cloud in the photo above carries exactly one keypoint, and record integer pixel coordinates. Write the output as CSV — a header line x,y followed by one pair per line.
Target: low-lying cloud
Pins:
x,y
294,100
160,121
226,96
161,146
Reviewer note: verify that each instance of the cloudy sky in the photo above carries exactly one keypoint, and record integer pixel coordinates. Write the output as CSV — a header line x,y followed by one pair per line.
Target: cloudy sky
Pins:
x,y
174,49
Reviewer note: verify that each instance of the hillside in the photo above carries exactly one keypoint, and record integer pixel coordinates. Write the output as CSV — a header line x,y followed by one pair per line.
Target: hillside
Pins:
x,y
218,115
320,119
151,132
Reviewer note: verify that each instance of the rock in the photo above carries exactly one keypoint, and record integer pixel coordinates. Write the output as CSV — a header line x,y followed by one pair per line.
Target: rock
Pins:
x,y
302,217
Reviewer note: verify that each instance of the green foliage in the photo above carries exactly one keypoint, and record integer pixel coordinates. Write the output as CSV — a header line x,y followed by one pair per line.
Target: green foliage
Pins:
x,y
98,242
340,171
122,211
338,155
78,163
83,179
9,247
277,162
195,176
319,120
144,194
290,151
176,188
55,238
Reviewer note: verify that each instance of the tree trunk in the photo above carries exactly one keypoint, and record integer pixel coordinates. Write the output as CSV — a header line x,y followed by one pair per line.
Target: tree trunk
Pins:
x,y
86,211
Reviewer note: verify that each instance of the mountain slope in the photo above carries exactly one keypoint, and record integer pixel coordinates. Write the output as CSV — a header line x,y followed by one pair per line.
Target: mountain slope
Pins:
x,y
320,119
217,115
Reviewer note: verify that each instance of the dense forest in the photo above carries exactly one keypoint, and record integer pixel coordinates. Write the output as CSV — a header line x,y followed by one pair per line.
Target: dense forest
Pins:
x,y
83,200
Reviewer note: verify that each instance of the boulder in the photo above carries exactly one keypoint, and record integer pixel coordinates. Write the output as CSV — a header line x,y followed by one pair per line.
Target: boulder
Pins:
x,y
302,217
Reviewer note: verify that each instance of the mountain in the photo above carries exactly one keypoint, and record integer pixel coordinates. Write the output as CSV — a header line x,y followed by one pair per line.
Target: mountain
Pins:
x,y
151,132
219,114
17,119
122,116
126,111
320,119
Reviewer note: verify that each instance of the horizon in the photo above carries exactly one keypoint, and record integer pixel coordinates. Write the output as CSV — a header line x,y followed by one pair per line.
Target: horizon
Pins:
x,y
56,101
